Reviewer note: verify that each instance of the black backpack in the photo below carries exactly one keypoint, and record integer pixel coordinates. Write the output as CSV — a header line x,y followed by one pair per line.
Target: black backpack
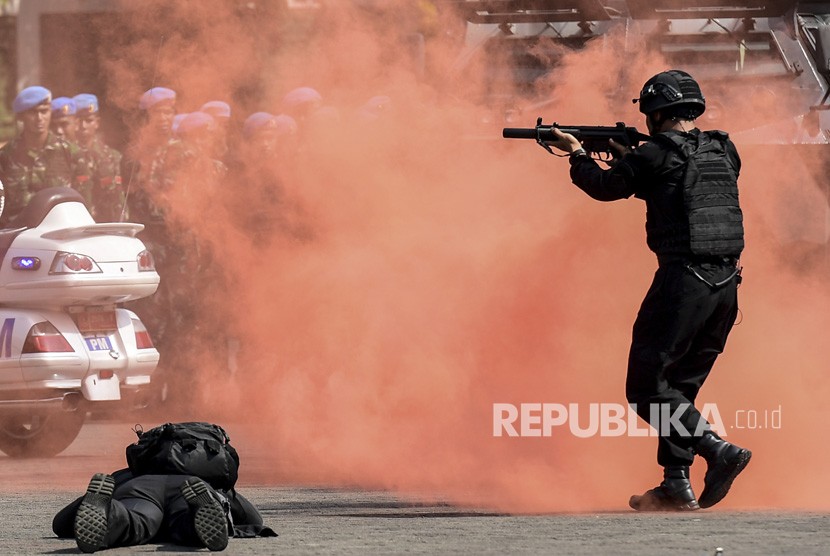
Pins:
x,y
200,449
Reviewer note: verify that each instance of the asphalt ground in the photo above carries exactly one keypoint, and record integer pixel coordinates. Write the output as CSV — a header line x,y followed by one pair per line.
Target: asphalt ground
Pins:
x,y
321,520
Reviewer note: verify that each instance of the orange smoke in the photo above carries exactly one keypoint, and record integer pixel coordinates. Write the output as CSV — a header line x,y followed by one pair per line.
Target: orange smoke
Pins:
x,y
449,270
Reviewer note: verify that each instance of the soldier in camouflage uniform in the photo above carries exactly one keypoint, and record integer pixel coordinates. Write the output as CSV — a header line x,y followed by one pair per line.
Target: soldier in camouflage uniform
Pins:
x,y
221,113
200,180
106,194
37,159
200,133
150,166
263,207
64,122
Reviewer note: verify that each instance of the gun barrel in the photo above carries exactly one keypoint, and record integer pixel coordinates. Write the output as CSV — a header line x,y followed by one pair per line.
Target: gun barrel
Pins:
x,y
518,133
543,133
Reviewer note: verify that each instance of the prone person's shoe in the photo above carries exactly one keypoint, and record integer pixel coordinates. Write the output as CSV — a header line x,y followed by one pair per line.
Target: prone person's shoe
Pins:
x,y
725,461
674,494
209,519
91,519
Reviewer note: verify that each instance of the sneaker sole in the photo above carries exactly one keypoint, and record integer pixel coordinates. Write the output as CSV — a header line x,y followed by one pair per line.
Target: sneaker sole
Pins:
x,y
723,489
209,519
90,525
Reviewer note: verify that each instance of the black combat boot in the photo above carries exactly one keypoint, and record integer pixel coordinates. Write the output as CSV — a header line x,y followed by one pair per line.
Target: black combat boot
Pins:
x,y
91,520
209,520
725,461
674,494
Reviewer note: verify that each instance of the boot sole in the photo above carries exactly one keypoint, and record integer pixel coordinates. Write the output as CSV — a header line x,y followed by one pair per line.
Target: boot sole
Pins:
x,y
711,497
91,523
209,518
636,501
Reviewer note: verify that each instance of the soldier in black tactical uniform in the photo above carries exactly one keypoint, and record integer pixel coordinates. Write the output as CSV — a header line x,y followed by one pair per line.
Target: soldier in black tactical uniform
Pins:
x,y
688,179
126,510
37,158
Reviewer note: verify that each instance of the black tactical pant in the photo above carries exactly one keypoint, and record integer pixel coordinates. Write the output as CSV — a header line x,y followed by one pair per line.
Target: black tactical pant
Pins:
x,y
144,509
679,332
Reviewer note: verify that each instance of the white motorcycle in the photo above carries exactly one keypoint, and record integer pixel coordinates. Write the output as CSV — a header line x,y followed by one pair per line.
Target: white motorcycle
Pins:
x,y
66,347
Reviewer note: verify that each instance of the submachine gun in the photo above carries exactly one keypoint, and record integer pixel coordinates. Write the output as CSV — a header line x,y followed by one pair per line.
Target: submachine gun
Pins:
x,y
594,139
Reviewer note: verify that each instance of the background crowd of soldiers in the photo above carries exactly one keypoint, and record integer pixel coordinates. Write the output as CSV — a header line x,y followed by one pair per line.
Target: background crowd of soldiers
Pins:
x,y
171,158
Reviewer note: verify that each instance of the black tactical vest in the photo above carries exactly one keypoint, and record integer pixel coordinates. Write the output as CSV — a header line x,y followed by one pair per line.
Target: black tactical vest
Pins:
x,y
710,198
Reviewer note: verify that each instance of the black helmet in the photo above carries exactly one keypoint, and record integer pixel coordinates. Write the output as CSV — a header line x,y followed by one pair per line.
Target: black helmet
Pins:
x,y
673,88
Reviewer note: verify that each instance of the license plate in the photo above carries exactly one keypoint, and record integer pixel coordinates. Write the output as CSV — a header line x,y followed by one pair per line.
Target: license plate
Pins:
x,y
101,343
96,321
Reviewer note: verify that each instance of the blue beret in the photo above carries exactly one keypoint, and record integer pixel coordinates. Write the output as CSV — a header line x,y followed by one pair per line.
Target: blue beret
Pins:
x,y
65,105
300,96
154,96
30,97
86,103
217,109
195,121
177,120
286,125
255,122
374,107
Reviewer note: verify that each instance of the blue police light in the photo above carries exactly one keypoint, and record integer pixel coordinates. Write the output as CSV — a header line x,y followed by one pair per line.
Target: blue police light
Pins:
x,y
25,263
